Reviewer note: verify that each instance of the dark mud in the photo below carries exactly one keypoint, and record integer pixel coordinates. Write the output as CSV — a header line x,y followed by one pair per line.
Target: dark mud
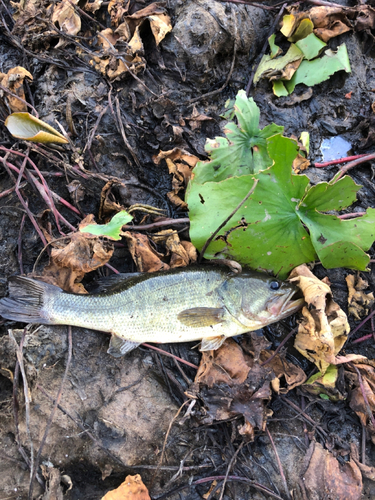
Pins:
x,y
114,413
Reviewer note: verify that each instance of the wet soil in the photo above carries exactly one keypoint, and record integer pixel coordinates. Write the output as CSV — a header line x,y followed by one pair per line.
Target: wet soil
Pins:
x,y
114,414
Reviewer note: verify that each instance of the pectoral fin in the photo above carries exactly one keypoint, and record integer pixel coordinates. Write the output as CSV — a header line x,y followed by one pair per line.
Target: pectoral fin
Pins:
x,y
201,316
212,343
119,347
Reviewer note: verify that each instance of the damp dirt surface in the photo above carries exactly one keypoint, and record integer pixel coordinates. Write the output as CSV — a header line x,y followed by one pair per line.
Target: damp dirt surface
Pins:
x,y
122,416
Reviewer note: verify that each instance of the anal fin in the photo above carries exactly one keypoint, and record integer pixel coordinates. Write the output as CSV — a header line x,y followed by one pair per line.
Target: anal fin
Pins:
x,y
212,343
119,347
201,316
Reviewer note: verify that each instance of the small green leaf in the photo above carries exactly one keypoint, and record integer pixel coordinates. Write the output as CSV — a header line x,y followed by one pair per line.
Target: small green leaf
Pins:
x,y
275,49
29,128
317,71
112,229
244,151
311,46
279,89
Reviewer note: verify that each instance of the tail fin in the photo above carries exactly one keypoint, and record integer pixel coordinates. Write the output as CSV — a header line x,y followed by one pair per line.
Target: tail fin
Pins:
x,y
26,300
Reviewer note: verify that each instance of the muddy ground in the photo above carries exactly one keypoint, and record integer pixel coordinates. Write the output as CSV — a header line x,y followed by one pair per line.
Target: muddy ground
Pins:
x,y
114,413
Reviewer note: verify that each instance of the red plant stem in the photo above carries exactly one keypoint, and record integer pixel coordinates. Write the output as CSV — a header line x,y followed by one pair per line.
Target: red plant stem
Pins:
x,y
353,214
353,164
338,161
171,356
362,339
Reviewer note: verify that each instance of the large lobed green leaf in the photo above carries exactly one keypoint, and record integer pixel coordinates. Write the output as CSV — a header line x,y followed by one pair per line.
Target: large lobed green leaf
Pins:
x,y
281,225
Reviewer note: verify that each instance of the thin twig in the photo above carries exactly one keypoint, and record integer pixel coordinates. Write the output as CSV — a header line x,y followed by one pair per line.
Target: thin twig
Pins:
x,y
52,414
232,460
283,342
165,353
125,139
226,220
283,479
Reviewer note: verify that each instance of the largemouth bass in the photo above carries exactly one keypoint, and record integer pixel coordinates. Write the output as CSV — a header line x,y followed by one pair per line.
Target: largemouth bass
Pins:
x,y
180,305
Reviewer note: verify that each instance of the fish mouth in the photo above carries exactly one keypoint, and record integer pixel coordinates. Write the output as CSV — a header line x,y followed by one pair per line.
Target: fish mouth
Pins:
x,y
285,305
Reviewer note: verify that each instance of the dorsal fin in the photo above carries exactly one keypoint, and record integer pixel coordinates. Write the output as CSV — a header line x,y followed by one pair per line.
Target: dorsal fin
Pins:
x,y
112,283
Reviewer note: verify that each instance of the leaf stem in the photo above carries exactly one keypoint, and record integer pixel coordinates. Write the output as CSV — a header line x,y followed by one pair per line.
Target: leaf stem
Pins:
x,y
338,161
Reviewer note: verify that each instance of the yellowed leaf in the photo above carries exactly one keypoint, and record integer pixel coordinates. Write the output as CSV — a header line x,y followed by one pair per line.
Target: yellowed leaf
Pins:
x,y
324,327
160,26
93,6
131,489
29,128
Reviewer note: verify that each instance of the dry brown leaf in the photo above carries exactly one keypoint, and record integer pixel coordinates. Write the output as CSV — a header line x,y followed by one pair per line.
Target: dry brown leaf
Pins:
x,y
54,489
13,81
93,6
131,489
180,257
117,9
196,119
357,402
145,257
367,471
359,302
300,163
293,374
324,328
83,254
66,17
180,164
108,204
231,382
106,38
325,477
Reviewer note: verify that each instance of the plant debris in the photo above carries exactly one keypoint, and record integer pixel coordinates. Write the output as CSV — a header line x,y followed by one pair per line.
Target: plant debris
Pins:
x,y
131,489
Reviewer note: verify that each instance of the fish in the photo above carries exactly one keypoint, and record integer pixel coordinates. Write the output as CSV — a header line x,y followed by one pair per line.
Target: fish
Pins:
x,y
207,304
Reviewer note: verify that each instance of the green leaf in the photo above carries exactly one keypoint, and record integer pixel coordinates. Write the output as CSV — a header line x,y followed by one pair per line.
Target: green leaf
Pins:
x,y
279,89
311,46
266,232
29,128
317,71
275,49
274,67
244,151
112,229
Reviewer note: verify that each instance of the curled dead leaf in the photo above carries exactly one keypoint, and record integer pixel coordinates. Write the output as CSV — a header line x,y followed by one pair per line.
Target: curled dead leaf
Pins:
x,y
324,328
182,253
83,254
146,258
65,15
180,164
13,81
359,302
131,489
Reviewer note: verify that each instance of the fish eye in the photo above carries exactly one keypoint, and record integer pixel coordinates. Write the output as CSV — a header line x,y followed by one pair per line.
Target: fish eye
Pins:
x,y
274,285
